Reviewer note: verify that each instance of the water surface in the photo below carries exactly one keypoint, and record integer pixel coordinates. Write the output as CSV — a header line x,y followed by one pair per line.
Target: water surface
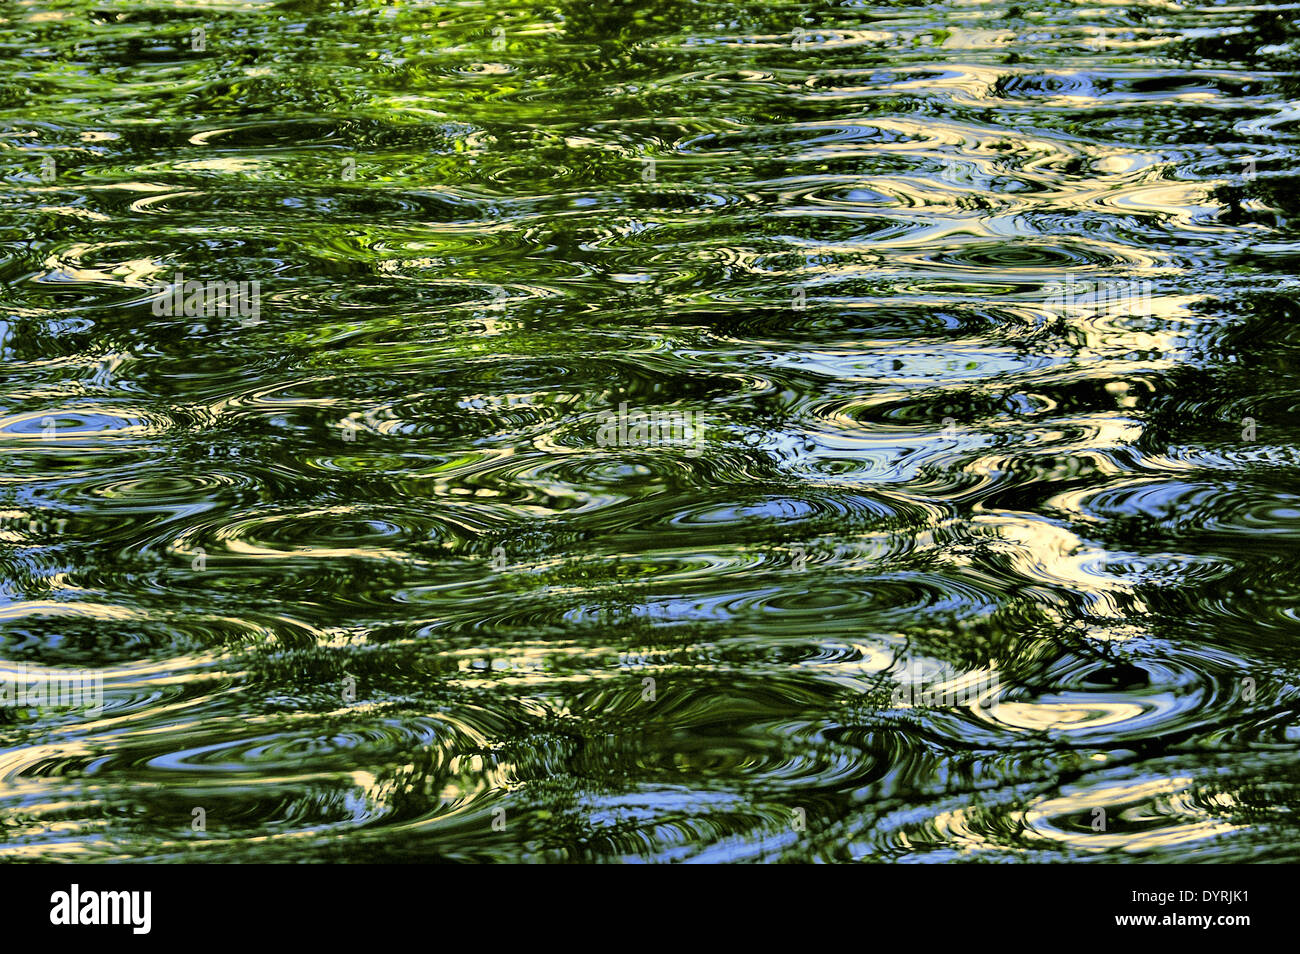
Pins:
x,y
673,431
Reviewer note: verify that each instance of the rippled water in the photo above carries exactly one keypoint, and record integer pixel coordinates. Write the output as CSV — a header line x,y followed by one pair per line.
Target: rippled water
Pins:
x,y
664,430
